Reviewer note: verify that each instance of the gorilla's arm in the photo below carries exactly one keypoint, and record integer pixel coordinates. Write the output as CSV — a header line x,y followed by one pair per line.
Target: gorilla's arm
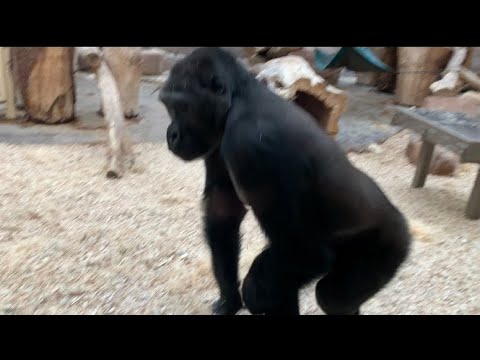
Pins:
x,y
224,213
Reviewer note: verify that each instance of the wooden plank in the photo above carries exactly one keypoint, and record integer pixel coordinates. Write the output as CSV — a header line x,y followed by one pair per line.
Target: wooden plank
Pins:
x,y
467,146
417,121
451,142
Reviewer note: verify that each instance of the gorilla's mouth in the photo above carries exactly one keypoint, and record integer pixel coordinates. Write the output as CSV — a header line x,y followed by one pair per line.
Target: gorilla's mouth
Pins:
x,y
184,155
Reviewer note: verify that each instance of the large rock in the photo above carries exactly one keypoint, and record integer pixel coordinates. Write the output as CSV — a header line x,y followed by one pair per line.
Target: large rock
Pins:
x,y
444,162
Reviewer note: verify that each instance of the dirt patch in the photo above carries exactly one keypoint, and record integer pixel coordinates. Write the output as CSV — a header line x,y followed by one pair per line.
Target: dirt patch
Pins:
x,y
73,242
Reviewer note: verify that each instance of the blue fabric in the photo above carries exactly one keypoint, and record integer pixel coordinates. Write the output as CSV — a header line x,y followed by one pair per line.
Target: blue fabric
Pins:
x,y
359,59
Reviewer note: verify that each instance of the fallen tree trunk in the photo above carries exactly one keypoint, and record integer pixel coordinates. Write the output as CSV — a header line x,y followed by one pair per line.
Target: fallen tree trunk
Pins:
x,y
119,144
44,76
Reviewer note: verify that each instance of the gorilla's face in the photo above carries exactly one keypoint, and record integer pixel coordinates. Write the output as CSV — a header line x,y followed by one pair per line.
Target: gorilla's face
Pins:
x,y
197,100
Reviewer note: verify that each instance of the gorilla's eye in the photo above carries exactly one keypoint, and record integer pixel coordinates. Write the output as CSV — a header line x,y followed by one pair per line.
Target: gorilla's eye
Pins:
x,y
216,86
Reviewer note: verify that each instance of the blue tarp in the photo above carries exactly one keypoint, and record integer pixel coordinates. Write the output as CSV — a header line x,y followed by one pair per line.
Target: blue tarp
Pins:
x,y
360,59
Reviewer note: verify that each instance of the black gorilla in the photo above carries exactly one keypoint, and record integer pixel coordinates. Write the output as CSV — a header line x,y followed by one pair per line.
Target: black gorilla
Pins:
x,y
322,216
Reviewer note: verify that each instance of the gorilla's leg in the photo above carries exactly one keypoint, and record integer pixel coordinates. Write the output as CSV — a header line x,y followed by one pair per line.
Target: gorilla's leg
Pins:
x,y
274,279
363,266
223,215
263,294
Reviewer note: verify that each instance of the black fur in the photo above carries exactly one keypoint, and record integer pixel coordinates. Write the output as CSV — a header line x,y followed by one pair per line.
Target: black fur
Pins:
x,y
322,216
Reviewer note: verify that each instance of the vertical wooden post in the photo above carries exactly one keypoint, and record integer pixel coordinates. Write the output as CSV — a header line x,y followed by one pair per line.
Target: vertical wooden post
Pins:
x,y
6,82
418,68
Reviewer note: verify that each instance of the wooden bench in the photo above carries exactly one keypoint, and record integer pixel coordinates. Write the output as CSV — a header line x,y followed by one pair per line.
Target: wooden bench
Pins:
x,y
456,131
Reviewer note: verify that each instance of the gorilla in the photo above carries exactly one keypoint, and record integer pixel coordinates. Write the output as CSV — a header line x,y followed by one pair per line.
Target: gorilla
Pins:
x,y
324,219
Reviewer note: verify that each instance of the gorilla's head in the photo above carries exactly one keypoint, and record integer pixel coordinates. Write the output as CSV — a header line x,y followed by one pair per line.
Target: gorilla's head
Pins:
x,y
198,96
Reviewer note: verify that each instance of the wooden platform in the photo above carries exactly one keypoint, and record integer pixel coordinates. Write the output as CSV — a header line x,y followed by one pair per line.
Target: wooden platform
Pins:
x,y
456,131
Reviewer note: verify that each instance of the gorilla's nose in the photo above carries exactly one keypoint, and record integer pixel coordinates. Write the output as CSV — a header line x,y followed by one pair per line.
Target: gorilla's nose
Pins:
x,y
173,136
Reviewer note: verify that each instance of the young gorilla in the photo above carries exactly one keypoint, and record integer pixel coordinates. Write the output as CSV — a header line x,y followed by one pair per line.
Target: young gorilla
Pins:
x,y
322,216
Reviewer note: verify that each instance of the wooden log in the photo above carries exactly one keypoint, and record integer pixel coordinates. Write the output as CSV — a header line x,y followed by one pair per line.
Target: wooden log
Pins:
x,y
418,68
119,144
294,79
451,82
3,66
125,64
6,80
44,76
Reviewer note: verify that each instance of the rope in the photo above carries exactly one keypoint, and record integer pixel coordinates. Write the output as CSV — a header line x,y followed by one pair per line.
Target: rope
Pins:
x,y
418,72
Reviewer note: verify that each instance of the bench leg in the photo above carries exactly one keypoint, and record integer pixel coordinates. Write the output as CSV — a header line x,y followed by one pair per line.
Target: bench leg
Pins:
x,y
473,207
423,165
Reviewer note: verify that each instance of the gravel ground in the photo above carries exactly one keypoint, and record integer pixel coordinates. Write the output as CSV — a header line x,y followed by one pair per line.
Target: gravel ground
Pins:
x,y
73,242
